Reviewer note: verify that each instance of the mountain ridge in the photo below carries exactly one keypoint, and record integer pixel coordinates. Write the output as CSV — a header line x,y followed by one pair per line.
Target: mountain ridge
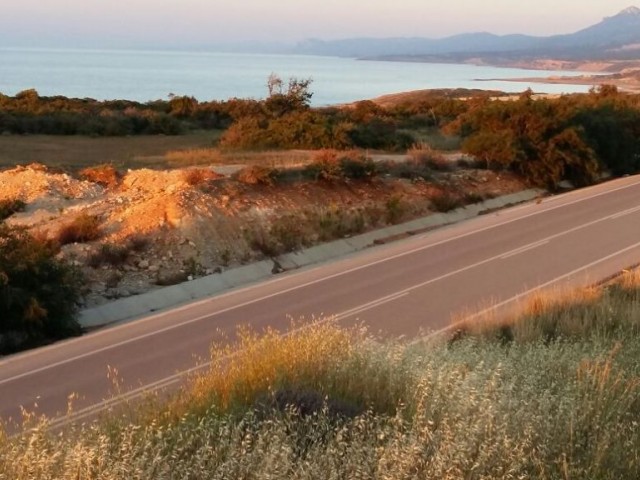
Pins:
x,y
606,39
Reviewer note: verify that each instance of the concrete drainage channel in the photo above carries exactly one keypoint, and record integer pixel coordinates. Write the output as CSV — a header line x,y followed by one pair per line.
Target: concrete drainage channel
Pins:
x,y
164,298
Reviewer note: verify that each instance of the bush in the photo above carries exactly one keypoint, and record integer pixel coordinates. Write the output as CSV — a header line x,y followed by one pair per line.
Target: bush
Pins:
x,y
445,202
38,292
257,175
199,176
109,254
423,154
10,206
325,165
396,209
105,175
409,169
84,228
333,165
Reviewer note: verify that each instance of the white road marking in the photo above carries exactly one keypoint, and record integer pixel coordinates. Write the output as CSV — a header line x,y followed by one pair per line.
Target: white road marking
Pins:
x,y
524,249
625,213
281,292
150,318
176,378
370,305
544,285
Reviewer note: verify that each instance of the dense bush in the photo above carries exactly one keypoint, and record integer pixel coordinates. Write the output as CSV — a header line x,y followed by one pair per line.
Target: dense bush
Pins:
x,y
38,293
549,140
332,165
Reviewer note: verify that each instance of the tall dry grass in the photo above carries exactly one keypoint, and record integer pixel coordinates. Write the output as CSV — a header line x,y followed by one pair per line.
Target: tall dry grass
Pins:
x,y
566,407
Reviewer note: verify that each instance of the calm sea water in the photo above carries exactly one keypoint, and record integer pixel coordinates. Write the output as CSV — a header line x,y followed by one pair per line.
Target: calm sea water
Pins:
x,y
151,75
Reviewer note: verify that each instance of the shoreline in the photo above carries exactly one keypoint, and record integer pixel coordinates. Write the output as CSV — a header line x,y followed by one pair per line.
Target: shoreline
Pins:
x,y
629,83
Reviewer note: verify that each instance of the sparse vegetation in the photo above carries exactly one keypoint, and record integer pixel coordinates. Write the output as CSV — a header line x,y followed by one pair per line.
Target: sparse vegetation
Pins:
x,y
324,402
109,254
105,175
257,175
445,201
84,228
10,206
197,177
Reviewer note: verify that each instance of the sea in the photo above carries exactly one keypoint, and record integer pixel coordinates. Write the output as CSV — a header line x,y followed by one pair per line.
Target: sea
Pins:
x,y
152,75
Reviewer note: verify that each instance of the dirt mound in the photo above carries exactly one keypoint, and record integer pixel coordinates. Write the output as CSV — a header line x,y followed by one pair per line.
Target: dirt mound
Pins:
x,y
34,182
164,227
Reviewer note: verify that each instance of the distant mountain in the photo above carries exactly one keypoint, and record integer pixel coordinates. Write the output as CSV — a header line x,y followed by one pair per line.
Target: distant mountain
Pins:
x,y
613,37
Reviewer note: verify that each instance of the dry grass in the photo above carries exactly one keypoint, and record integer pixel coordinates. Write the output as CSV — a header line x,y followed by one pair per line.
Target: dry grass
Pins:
x,y
194,156
257,175
84,228
475,409
212,156
105,175
564,313
200,176
73,153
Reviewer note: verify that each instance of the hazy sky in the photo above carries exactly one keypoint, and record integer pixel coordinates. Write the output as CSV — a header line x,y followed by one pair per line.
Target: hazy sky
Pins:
x,y
178,23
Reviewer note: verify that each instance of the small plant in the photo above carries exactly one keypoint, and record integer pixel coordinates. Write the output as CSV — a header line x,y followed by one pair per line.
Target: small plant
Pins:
x,y
396,209
109,254
421,153
193,267
289,233
84,228
445,201
173,278
199,176
260,240
257,175
225,257
10,206
473,197
358,168
325,166
105,175
138,243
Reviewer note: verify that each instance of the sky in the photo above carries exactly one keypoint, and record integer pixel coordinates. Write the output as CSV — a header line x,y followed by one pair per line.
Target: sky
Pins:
x,y
185,23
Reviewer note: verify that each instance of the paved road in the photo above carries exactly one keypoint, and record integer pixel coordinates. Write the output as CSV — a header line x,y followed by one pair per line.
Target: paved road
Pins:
x,y
407,287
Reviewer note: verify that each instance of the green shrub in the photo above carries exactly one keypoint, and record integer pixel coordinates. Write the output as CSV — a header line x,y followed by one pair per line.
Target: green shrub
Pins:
x,y
38,292
84,228
396,209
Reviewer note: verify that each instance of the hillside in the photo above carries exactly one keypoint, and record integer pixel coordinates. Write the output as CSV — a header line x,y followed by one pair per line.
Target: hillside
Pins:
x,y
160,227
614,38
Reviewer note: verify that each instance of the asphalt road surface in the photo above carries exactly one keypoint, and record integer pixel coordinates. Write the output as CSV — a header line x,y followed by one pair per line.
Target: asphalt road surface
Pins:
x,y
408,287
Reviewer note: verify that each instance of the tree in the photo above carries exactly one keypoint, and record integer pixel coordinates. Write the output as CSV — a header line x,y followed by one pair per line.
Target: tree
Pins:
x,y
297,97
38,292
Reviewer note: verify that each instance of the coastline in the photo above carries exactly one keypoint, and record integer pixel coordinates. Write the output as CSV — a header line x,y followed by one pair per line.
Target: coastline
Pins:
x,y
626,82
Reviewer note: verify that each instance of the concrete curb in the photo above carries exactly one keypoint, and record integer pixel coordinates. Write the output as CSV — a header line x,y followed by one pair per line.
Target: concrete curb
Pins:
x,y
139,305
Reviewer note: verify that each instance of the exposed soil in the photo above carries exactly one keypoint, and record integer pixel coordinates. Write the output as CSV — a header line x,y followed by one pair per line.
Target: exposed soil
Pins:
x,y
176,231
